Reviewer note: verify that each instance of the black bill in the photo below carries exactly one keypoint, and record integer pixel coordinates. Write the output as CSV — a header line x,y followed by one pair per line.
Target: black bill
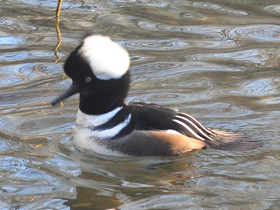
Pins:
x,y
69,92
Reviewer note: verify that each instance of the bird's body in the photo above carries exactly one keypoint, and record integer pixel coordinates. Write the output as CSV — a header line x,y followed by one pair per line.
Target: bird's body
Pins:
x,y
108,125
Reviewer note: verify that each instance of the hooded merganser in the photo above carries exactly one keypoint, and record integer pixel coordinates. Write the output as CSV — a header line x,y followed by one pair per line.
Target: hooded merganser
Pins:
x,y
107,125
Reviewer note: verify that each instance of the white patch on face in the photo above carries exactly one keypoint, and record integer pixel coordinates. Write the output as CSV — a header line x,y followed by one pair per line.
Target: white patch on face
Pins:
x,y
107,59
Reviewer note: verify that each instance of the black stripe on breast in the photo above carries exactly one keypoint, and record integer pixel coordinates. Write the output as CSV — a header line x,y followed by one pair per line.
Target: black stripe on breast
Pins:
x,y
120,117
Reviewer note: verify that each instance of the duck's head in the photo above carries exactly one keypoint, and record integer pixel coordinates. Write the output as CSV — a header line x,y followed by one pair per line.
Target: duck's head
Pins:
x,y
98,68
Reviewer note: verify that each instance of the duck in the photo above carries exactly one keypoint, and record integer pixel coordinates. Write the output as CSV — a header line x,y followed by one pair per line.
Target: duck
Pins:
x,y
109,125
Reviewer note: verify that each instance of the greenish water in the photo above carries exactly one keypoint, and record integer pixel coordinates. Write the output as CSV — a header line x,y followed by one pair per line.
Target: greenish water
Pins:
x,y
217,60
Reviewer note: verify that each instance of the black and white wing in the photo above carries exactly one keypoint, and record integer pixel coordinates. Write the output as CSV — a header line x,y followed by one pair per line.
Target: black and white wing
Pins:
x,y
154,117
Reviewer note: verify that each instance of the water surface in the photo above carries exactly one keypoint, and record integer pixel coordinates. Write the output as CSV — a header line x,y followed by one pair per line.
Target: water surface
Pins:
x,y
217,60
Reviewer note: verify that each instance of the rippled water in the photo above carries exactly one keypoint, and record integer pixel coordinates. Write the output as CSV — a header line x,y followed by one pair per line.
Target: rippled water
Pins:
x,y
217,60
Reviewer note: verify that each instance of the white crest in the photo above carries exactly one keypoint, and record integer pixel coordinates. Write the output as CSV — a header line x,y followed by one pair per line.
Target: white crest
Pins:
x,y
107,59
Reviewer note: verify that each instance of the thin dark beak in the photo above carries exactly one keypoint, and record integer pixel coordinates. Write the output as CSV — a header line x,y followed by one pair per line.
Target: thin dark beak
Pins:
x,y
69,92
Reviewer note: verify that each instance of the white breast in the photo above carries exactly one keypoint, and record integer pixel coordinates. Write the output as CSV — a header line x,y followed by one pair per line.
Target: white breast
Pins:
x,y
86,137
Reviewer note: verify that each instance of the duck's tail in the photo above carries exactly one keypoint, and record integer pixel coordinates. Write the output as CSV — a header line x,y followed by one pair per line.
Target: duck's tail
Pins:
x,y
225,140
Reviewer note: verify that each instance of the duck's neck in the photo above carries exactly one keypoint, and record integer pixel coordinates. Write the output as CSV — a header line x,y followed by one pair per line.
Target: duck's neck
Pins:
x,y
88,120
98,106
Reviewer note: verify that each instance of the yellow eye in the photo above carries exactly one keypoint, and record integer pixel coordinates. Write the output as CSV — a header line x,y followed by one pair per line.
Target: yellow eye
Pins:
x,y
88,80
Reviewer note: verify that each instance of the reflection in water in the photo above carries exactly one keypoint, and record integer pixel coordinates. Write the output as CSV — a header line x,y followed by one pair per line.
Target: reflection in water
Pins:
x,y
59,2
217,61
57,27
57,21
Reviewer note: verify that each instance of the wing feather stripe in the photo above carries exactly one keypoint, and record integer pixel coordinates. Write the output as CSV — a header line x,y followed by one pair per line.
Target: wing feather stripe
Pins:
x,y
197,123
198,130
189,129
